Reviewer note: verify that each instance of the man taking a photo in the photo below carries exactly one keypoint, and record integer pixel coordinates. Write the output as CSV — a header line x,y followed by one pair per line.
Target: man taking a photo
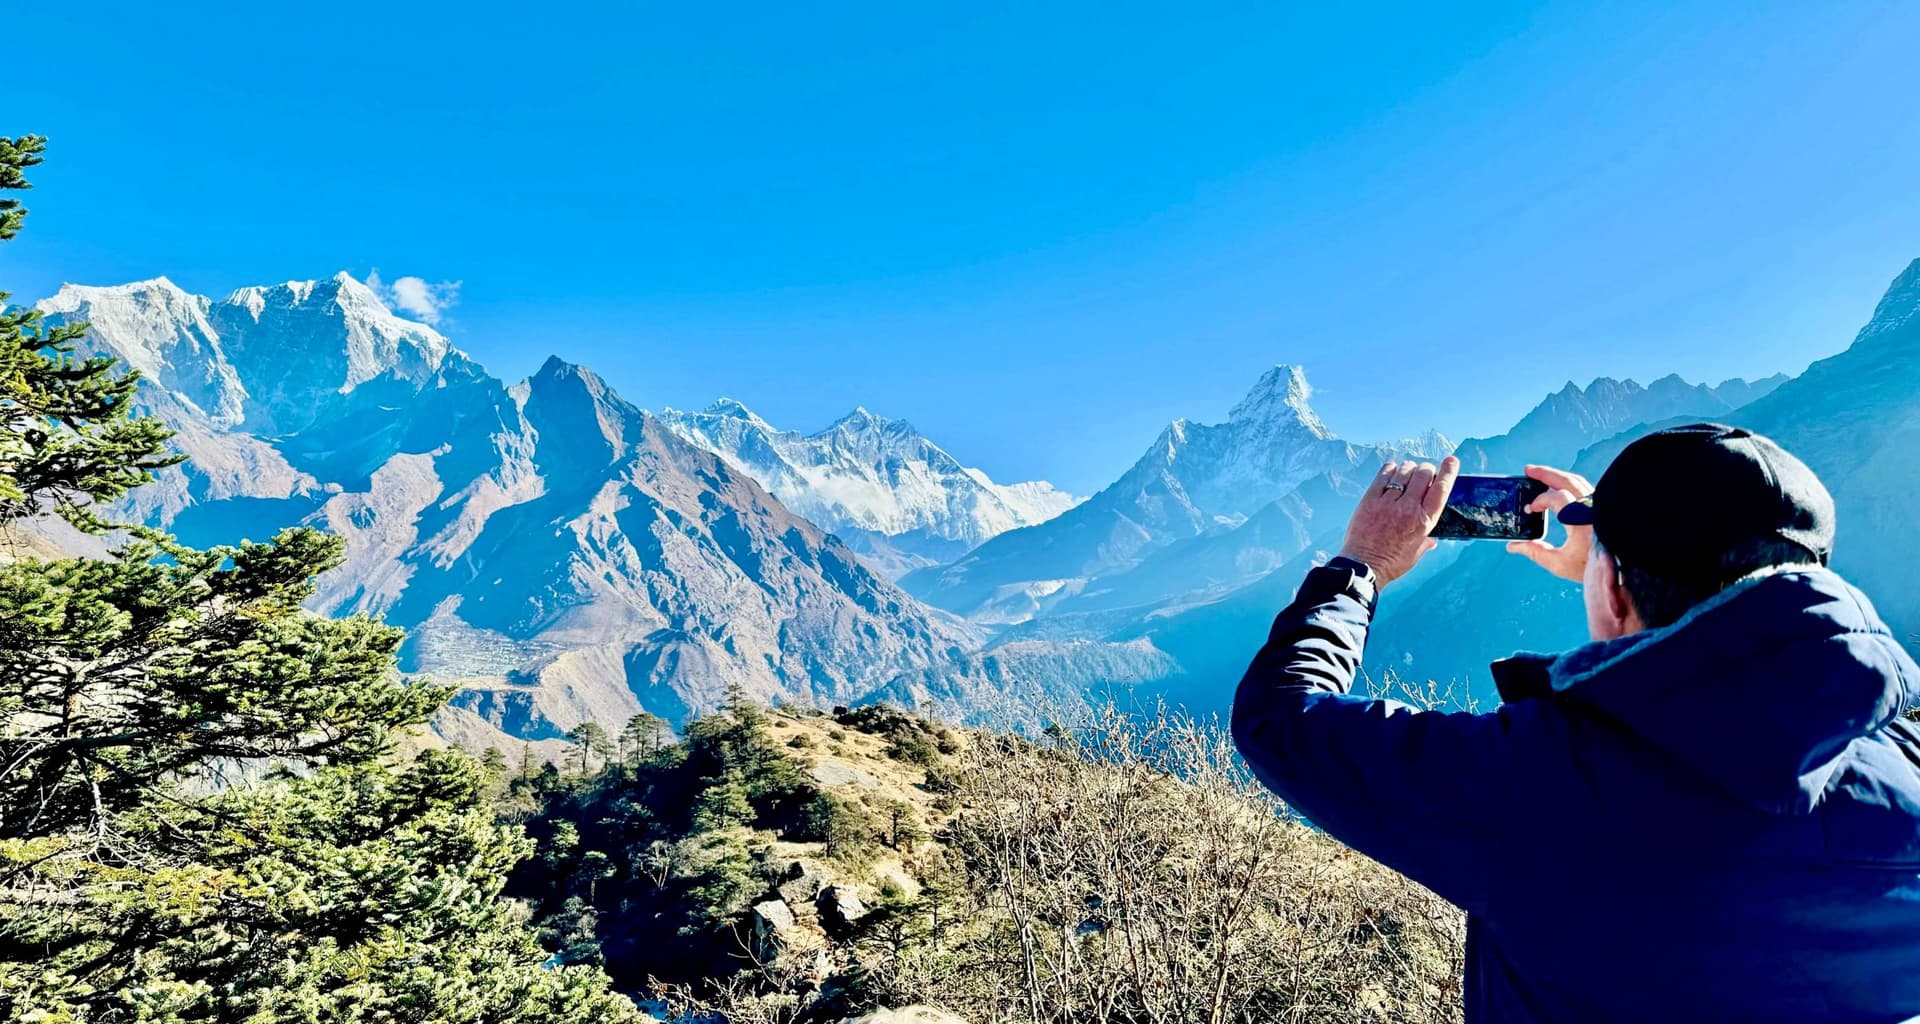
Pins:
x,y
1709,813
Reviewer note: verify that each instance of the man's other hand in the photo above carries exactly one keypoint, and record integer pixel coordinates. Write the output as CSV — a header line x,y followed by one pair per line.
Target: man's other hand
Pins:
x,y
1569,560
1389,529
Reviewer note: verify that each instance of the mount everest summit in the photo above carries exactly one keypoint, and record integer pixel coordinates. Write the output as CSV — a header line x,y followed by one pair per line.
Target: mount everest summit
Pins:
x,y
889,492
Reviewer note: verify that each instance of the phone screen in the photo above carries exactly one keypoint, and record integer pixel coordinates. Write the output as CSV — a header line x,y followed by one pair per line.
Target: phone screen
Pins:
x,y
1492,508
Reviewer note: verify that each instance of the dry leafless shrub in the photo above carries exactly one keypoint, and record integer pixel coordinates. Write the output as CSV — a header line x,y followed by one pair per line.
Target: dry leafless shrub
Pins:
x,y
1132,870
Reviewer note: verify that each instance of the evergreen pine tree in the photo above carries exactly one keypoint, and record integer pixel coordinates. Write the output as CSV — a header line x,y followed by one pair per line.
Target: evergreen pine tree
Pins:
x,y
201,817
640,739
67,441
590,741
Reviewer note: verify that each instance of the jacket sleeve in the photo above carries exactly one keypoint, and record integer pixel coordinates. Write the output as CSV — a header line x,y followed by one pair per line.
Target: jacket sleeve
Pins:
x,y
1423,792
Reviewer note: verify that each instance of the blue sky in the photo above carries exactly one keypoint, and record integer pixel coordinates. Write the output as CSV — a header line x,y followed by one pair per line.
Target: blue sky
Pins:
x,y
1039,231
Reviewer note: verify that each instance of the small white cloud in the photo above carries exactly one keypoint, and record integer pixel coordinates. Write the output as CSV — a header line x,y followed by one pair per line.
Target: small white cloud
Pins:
x,y
422,299
415,296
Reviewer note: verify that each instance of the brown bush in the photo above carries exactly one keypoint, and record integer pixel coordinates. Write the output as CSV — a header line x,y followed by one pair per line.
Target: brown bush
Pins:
x,y
1133,870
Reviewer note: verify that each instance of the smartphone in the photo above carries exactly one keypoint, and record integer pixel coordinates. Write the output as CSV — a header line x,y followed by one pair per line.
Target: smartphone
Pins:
x,y
1492,508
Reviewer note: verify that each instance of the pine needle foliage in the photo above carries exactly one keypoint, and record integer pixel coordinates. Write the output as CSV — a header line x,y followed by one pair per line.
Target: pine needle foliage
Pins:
x,y
68,441
202,812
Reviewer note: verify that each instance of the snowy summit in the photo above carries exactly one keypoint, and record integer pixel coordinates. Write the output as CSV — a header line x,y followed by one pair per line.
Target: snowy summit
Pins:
x,y
886,489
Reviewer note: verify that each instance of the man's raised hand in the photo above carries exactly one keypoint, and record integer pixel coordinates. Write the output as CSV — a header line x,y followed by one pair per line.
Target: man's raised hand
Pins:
x,y
1569,560
1389,528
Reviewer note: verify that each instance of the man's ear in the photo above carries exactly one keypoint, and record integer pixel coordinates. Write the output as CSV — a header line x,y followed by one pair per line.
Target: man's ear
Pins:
x,y
1619,601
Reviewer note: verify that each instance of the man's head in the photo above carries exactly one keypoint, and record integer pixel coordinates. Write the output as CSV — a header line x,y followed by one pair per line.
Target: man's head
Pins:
x,y
1684,513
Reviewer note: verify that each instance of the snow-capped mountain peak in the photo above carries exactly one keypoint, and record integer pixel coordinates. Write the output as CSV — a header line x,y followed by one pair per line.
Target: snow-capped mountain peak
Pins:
x,y
1898,309
351,293
163,331
377,340
157,295
267,356
1281,397
860,422
1430,445
1196,479
159,288
897,497
730,409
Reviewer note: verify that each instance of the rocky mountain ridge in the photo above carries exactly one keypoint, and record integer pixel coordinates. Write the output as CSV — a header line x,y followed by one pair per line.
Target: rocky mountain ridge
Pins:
x,y
559,552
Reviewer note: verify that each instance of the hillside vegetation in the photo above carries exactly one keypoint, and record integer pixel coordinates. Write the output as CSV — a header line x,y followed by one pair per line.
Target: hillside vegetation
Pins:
x,y
785,865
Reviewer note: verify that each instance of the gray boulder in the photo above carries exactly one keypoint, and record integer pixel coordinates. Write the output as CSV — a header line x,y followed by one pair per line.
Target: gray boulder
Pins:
x,y
803,882
773,926
840,908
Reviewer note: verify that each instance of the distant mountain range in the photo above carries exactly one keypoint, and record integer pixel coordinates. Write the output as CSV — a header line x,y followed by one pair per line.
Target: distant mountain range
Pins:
x,y
894,496
1449,626
1854,417
1572,418
561,553
1211,634
566,556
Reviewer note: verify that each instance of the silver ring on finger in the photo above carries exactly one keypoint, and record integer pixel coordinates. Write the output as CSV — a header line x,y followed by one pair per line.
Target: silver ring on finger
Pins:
x,y
1393,485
